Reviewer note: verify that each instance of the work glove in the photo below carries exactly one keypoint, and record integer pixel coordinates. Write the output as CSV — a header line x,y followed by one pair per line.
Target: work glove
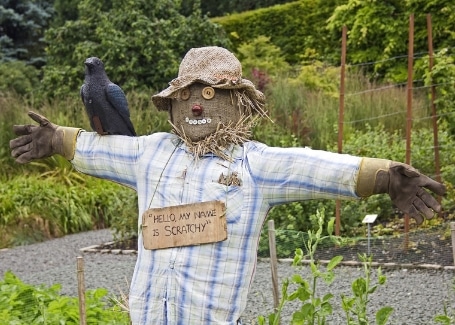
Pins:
x,y
45,140
404,184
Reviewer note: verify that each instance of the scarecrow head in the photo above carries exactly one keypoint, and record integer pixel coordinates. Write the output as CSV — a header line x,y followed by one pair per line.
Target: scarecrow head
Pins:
x,y
210,105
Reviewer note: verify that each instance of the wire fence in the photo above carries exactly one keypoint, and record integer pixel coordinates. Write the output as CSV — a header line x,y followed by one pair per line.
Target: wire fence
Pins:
x,y
423,111
419,246
424,247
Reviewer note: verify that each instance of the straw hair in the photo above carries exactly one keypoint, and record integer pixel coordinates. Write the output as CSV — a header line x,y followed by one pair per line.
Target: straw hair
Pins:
x,y
218,68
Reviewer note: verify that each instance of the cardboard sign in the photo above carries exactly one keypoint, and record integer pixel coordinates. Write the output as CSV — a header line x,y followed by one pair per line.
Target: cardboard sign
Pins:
x,y
184,225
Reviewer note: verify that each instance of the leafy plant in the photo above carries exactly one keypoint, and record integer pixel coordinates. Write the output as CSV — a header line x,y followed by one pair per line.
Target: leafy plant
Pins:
x,y
443,74
24,304
355,307
314,308
448,317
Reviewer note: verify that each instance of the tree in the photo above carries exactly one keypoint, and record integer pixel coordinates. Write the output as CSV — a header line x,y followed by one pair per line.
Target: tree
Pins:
x,y
64,10
22,25
377,31
442,16
216,8
140,42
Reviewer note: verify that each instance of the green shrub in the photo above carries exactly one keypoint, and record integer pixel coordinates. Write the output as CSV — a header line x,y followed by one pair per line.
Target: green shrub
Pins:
x,y
297,28
47,205
19,77
24,304
261,56
140,42
443,75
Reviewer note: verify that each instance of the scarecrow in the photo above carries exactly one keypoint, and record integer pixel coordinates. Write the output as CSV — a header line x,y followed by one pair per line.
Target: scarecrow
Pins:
x,y
204,190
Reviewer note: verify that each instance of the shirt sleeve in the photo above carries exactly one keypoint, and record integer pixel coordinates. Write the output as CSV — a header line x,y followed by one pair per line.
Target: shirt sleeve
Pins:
x,y
295,174
112,157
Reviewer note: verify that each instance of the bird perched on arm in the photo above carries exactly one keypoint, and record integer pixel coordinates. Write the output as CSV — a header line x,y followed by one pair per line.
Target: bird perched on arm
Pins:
x,y
104,101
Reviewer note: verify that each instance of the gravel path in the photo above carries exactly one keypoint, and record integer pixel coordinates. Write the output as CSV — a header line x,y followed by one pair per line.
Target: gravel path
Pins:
x,y
416,295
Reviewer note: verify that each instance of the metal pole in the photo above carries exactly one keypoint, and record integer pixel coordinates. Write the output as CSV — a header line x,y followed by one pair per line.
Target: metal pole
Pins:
x,y
273,263
409,113
81,290
433,105
341,119
342,90
369,235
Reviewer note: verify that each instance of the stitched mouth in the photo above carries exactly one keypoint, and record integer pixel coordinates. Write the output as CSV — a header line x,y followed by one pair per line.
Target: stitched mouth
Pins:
x,y
198,121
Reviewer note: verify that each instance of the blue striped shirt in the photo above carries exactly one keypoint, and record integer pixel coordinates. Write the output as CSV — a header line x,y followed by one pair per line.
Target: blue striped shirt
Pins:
x,y
209,283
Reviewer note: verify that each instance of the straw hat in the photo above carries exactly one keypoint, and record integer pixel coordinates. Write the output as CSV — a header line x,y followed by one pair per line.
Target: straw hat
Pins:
x,y
216,67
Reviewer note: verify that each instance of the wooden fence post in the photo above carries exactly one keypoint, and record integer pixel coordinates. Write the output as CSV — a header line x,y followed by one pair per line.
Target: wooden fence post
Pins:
x,y
81,290
273,263
452,228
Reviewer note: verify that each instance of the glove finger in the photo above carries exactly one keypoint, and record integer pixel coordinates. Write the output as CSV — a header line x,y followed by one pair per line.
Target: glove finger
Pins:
x,y
40,119
24,158
433,186
413,213
429,200
23,129
16,152
422,207
20,141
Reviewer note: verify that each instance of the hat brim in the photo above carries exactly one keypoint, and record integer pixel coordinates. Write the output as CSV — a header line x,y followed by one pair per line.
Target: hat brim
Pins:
x,y
162,100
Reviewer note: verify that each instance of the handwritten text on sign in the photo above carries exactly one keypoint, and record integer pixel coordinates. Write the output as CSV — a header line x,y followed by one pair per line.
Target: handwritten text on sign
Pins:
x,y
184,225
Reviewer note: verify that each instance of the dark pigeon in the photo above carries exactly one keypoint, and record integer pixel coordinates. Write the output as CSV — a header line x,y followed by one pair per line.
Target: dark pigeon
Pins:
x,y
104,101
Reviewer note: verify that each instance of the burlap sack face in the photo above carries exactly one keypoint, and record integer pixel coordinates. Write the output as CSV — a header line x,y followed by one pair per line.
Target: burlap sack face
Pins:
x,y
220,110
216,67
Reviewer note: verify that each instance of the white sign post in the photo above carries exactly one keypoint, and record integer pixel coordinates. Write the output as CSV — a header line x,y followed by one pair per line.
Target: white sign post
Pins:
x,y
369,219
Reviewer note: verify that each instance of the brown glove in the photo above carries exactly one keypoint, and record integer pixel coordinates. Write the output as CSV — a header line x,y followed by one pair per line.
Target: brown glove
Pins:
x,y
42,141
404,184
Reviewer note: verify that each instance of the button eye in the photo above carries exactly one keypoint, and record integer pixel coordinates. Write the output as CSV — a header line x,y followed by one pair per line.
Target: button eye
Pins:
x,y
208,92
185,94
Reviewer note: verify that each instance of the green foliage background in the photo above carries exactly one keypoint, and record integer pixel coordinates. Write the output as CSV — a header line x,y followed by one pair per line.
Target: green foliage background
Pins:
x,y
377,31
291,51
141,43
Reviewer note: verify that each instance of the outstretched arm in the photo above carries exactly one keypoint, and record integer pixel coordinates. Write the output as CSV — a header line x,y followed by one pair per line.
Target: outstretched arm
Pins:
x,y
112,157
294,174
